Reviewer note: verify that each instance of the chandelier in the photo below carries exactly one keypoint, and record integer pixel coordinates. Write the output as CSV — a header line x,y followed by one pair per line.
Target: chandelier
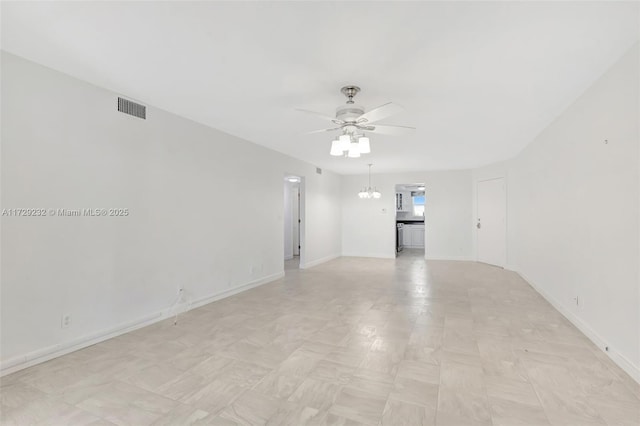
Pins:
x,y
369,192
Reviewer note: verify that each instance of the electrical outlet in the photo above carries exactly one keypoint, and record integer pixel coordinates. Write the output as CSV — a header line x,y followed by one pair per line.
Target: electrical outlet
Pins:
x,y
65,321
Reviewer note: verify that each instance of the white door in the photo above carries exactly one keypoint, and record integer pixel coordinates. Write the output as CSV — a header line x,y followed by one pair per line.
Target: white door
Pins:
x,y
491,222
295,222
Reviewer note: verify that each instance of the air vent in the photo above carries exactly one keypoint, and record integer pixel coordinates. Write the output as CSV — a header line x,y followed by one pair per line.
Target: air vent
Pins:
x,y
132,108
318,170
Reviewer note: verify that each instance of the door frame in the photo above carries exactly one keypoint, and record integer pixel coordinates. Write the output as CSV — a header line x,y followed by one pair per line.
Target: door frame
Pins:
x,y
295,218
301,216
419,181
506,219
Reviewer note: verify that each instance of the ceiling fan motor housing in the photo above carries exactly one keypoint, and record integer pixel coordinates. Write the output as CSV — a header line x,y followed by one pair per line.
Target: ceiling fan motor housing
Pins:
x,y
349,113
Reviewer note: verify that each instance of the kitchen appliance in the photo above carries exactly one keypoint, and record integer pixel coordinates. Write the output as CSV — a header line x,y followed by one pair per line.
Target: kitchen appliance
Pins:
x,y
399,241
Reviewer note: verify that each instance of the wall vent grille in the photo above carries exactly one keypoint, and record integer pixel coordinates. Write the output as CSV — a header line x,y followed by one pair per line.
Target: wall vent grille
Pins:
x,y
129,107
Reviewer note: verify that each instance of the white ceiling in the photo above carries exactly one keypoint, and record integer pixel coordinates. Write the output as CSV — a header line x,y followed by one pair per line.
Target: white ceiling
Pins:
x,y
479,80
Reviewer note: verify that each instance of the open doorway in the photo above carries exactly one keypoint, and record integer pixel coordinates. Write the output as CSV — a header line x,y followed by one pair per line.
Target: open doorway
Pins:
x,y
293,211
410,219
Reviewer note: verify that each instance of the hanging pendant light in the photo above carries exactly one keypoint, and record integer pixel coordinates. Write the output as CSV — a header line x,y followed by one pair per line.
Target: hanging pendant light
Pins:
x,y
369,192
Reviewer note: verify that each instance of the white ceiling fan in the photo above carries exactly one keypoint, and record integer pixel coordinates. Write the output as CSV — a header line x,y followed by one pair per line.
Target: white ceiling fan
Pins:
x,y
352,121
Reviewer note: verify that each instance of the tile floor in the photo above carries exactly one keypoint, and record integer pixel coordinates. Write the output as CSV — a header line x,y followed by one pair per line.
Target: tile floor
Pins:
x,y
353,341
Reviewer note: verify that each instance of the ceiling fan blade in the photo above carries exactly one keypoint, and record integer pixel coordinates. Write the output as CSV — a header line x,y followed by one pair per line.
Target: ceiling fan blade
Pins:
x,y
391,130
321,115
323,130
379,113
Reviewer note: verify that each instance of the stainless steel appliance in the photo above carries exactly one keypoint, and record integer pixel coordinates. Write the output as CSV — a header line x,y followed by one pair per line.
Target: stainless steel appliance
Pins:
x,y
399,242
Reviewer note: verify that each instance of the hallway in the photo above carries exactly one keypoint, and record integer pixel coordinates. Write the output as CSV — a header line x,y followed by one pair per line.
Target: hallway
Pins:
x,y
352,341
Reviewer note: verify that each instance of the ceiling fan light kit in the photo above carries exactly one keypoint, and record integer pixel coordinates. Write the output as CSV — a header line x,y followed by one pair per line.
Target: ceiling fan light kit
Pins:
x,y
345,142
363,143
352,121
354,150
336,148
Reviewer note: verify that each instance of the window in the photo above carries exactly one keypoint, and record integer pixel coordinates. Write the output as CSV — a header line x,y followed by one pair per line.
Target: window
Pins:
x,y
418,205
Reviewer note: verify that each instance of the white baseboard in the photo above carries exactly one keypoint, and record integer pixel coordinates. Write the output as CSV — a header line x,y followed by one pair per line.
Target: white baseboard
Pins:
x,y
512,268
235,290
619,359
458,258
38,356
288,257
319,261
385,256
372,255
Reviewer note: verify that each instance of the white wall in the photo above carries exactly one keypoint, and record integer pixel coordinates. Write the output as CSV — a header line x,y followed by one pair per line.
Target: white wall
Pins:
x,y
368,231
206,212
573,215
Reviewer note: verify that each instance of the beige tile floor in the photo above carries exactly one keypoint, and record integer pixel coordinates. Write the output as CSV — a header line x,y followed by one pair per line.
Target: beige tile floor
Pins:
x,y
353,341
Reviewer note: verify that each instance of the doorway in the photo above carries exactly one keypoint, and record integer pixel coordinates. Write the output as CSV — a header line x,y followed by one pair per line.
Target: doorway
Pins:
x,y
491,223
410,219
292,221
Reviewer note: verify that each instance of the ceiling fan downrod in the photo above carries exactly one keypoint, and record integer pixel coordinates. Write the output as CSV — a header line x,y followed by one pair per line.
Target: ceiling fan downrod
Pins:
x,y
350,92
